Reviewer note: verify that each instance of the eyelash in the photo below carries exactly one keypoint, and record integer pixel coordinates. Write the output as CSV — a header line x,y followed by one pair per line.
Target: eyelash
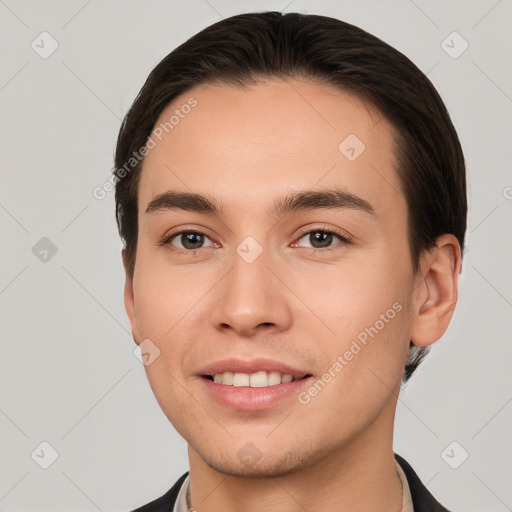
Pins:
x,y
345,239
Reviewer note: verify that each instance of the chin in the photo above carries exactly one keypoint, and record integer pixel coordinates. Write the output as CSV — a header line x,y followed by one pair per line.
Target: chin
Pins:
x,y
249,462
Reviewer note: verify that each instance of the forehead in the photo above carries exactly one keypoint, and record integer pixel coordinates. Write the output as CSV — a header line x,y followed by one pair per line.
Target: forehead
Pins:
x,y
249,145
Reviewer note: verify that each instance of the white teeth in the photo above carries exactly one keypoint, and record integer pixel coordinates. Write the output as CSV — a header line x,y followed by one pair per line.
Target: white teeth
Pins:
x,y
227,378
259,380
254,380
241,379
274,378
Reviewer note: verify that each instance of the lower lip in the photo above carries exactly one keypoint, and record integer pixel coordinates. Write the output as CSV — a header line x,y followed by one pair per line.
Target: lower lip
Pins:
x,y
253,399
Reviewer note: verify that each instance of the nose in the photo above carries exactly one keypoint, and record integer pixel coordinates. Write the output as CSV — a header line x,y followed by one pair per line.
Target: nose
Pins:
x,y
252,300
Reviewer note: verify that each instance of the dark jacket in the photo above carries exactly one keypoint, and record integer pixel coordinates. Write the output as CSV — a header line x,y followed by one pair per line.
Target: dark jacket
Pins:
x,y
422,500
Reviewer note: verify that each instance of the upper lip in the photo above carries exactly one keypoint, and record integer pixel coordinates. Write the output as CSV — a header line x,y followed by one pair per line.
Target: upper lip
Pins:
x,y
252,366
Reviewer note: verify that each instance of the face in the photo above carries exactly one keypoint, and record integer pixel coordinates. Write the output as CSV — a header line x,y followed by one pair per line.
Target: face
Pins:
x,y
273,238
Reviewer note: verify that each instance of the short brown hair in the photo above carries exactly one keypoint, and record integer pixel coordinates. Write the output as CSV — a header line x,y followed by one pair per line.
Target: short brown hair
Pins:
x,y
252,47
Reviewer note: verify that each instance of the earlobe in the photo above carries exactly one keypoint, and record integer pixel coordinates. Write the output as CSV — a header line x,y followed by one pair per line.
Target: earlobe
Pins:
x,y
129,299
436,296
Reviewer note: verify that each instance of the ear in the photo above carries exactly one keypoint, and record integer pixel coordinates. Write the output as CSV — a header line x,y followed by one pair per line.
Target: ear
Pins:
x,y
129,301
436,294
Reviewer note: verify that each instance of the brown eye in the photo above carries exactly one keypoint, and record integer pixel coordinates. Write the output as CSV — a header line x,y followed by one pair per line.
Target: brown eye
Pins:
x,y
190,240
321,239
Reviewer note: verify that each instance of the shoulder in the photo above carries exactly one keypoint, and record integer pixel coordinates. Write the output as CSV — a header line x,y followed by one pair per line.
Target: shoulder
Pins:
x,y
166,502
422,499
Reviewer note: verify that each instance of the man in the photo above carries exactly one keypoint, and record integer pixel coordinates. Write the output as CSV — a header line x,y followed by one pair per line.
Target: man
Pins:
x,y
291,193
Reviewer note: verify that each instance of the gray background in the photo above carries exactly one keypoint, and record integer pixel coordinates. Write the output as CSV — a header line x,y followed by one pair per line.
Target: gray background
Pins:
x,y
68,375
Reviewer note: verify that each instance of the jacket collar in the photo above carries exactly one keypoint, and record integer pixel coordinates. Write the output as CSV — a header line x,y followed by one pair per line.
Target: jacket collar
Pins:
x,y
422,499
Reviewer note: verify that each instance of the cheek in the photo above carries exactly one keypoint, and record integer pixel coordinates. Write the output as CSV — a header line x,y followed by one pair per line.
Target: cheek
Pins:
x,y
364,366
351,295
165,297
379,318
366,308
164,305
170,392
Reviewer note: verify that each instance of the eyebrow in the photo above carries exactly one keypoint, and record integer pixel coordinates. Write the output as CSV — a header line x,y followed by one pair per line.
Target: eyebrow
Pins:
x,y
296,201
184,201
317,199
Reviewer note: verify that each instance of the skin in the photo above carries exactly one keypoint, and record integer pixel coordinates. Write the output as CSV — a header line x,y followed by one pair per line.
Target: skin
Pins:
x,y
245,148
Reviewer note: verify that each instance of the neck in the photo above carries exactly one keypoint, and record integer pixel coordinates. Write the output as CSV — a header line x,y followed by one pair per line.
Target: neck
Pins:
x,y
358,476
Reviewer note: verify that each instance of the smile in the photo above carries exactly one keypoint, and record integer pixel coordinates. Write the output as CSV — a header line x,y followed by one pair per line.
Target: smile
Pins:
x,y
258,379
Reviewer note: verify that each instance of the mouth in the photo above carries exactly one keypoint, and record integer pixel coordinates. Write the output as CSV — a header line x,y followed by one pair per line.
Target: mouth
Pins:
x,y
253,385
259,379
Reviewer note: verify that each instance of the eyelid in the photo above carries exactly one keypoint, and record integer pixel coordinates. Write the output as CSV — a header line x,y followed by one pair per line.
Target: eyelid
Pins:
x,y
342,234
170,235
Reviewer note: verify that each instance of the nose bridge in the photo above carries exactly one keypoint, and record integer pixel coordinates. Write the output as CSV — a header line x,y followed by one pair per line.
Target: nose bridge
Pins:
x,y
250,295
